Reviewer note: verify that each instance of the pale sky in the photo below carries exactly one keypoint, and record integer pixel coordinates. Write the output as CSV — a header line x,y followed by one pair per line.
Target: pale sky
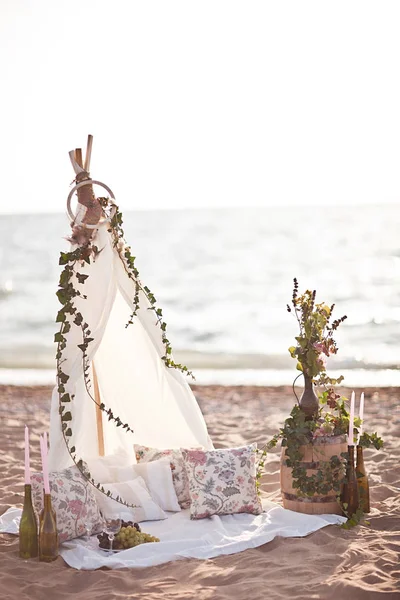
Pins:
x,y
206,103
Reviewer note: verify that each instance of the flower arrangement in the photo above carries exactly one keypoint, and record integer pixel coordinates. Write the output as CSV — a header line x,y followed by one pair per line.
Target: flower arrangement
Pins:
x,y
323,416
315,340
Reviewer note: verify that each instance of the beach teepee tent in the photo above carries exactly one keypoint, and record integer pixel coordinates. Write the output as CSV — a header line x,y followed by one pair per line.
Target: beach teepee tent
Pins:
x,y
117,382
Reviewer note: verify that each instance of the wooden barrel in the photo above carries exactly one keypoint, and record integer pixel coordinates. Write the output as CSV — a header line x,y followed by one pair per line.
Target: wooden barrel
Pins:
x,y
320,450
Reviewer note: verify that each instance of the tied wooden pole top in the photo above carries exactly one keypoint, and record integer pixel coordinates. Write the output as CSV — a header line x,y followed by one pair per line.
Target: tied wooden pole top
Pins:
x,y
86,198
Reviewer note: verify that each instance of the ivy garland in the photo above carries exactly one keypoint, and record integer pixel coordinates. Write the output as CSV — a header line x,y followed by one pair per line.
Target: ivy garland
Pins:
x,y
129,264
67,292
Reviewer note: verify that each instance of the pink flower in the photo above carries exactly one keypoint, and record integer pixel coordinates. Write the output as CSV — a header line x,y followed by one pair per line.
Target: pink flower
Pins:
x,y
197,457
321,361
76,506
319,346
236,452
240,480
324,429
203,515
324,347
247,508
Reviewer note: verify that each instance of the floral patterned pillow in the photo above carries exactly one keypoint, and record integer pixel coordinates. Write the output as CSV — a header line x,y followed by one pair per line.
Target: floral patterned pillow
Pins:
x,y
179,475
73,500
222,482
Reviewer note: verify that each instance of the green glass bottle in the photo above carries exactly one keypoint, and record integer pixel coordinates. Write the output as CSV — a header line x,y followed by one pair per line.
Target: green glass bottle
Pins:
x,y
48,537
28,528
362,480
349,496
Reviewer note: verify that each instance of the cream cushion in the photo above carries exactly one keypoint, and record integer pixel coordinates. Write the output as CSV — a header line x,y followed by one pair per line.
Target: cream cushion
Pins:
x,y
100,466
133,492
158,478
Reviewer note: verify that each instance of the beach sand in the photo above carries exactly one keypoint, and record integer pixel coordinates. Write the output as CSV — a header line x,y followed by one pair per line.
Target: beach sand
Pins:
x,y
362,563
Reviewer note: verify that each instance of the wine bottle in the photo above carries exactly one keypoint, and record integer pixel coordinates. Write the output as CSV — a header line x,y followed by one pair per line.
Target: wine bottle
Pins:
x,y
362,480
28,528
48,537
349,496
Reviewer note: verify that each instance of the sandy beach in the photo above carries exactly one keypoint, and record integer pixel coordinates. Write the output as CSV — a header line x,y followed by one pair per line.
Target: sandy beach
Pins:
x,y
362,563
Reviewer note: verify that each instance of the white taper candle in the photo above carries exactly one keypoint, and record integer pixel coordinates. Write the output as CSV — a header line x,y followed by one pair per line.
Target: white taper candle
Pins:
x,y
361,415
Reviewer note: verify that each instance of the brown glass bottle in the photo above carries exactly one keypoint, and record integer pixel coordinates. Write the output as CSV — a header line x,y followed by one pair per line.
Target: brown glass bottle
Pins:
x,y
28,528
349,496
48,537
362,480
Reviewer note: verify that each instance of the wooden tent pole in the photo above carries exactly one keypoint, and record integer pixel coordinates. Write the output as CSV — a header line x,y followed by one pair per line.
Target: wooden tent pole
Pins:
x,y
88,156
99,415
78,156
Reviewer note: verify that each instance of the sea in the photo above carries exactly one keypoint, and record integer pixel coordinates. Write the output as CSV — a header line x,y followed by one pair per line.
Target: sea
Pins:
x,y
223,279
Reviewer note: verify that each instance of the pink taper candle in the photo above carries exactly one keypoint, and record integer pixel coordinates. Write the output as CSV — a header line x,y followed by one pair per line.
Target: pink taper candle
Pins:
x,y
361,415
27,458
351,423
43,450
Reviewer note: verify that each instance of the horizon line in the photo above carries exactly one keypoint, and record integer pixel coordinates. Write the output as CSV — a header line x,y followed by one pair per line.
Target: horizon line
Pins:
x,y
215,208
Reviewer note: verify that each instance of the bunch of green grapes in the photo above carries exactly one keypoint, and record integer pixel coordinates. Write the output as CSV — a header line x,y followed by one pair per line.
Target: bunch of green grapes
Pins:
x,y
128,537
104,540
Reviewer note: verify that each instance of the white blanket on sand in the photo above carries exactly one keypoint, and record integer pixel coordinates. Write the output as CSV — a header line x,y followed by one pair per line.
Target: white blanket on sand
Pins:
x,y
182,538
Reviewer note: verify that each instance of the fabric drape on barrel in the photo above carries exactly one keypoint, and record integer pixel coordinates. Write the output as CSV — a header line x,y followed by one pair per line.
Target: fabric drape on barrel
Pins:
x,y
321,450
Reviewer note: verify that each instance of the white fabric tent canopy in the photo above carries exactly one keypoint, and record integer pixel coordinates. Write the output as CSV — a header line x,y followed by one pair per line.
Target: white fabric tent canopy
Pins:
x,y
155,400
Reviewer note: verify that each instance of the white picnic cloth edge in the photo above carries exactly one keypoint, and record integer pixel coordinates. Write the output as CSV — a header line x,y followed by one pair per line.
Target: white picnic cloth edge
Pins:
x,y
183,538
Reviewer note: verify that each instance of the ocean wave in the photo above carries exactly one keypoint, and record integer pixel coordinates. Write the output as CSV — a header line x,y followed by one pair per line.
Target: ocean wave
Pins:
x,y
356,378
41,357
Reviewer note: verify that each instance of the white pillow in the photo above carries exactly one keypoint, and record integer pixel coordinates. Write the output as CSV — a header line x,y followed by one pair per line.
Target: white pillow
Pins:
x,y
158,477
99,467
132,492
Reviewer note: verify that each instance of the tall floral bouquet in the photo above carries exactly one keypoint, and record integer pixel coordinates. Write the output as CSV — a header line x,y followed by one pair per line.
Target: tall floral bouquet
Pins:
x,y
315,340
315,343
324,416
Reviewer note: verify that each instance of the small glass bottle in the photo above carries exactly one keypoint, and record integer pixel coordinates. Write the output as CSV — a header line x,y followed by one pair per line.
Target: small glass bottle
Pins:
x,y
362,480
28,528
48,537
349,495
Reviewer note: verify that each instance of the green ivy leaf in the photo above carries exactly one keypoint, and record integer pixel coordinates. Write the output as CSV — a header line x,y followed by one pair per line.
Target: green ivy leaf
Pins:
x,y
62,296
61,316
63,377
81,278
64,258
78,319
